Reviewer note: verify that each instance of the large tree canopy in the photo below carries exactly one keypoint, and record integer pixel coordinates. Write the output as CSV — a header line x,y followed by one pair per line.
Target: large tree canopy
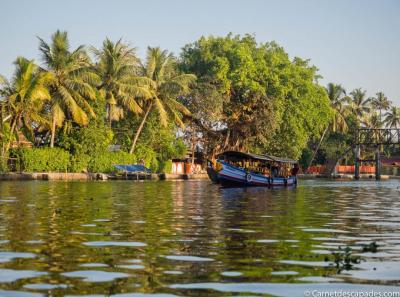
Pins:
x,y
262,101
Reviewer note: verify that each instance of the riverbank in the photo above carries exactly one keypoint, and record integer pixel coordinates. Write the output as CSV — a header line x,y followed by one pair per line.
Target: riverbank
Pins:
x,y
154,176
345,176
97,176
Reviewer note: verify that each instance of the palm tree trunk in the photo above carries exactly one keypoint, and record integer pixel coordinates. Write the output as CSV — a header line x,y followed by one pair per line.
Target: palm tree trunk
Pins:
x,y
109,115
193,149
12,129
140,128
317,148
8,144
53,133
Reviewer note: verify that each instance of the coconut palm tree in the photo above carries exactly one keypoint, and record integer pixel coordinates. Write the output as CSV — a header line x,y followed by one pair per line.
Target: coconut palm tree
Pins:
x,y
72,81
25,96
118,67
380,102
166,85
392,117
3,100
338,102
359,104
372,121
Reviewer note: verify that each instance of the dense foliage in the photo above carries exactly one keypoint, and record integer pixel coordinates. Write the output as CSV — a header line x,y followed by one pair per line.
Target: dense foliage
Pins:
x,y
89,109
44,159
58,160
251,96
351,111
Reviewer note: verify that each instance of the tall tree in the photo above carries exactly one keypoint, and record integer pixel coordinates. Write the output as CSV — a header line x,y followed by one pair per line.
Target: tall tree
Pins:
x,y
24,97
261,100
118,69
392,117
372,121
380,102
359,105
165,84
72,81
338,101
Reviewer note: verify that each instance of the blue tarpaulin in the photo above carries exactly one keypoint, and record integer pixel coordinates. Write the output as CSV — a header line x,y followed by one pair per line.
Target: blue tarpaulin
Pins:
x,y
133,168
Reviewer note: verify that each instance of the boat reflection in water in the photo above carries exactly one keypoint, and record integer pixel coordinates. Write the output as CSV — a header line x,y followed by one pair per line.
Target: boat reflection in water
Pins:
x,y
238,169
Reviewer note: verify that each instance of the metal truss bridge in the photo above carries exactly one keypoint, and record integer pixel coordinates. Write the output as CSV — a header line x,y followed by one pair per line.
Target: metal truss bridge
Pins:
x,y
370,137
376,138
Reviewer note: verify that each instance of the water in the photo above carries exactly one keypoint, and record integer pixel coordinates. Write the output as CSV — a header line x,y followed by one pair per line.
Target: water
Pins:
x,y
192,238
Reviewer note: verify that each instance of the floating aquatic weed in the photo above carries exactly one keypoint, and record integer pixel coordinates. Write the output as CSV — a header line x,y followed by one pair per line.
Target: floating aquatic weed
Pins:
x,y
372,247
344,258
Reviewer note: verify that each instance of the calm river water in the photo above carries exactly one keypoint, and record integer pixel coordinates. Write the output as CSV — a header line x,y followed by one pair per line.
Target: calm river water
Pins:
x,y
194,239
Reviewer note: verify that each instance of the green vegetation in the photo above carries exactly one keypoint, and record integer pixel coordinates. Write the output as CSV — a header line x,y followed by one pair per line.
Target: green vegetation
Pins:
x,y
259,98
344,258
351,111
44,159
221,93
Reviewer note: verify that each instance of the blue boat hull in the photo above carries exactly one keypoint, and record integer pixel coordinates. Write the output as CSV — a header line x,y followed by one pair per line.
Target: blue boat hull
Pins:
x,y
231,176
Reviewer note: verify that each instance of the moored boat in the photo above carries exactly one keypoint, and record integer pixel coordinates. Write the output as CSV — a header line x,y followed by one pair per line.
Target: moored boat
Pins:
x,y
233,168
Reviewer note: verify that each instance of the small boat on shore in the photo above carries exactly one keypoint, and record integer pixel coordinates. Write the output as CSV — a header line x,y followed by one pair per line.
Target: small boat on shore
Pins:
x,y
238,169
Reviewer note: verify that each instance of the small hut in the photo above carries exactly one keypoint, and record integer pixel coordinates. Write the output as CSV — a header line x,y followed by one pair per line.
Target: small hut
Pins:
x,y
188,164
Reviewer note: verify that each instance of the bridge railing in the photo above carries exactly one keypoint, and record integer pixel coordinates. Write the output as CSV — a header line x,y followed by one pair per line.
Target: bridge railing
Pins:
x,y
367,136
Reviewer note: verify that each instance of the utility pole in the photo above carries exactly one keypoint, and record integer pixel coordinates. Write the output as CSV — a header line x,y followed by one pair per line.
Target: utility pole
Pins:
x,y
377,163
357,162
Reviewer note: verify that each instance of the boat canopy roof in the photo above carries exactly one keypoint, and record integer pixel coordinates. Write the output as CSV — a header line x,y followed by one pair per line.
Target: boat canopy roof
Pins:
x,y
283,160
242,155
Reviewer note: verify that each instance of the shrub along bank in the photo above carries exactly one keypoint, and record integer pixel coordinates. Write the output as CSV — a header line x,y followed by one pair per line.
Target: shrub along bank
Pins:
x,y
59,160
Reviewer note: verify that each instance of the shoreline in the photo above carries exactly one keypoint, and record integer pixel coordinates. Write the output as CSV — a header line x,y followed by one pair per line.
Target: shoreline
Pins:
x,y
346,176
51,176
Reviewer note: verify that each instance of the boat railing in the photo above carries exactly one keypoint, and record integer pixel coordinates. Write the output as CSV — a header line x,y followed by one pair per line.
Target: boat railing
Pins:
x,y
248,171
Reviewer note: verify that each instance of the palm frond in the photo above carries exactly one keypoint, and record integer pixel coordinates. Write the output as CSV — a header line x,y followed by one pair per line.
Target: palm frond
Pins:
x,y
78,115
58,114
162,112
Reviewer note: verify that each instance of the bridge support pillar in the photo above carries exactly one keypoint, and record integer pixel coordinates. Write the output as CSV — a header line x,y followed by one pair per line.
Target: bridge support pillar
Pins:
x,y
377,164
357,162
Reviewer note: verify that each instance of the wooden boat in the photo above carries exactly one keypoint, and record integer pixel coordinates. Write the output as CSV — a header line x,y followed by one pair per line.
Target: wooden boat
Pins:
x,y
234,168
